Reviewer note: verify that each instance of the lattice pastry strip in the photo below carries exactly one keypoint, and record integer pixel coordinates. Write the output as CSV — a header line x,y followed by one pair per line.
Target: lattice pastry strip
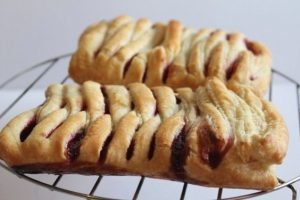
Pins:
x,y
125,50
213,136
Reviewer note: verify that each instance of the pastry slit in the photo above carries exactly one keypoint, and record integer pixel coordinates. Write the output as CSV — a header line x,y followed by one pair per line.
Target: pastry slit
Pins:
x,y
28,129
165,74
179,153
73,145
127,65
232,68
130,150
104,150
152,147
48,135
106,100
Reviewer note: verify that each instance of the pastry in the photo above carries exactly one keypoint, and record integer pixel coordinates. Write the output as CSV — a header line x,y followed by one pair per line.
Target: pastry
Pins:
x,y
213,136
125,50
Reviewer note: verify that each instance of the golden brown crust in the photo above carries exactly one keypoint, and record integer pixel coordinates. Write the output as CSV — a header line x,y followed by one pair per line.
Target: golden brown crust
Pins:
x,y
124,51
213,136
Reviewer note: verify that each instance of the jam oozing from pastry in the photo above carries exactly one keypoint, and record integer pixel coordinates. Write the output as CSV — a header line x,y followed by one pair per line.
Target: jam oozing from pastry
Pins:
x,y
106,101
151,147
130,150
104,149
72,151
212,149
178,155
28,129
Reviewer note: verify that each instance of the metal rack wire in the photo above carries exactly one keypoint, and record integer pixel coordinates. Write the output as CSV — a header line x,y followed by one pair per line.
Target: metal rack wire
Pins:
x,y
49,64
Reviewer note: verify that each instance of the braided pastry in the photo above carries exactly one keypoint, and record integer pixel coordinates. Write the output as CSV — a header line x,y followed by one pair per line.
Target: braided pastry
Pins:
x,y
213,136
124,51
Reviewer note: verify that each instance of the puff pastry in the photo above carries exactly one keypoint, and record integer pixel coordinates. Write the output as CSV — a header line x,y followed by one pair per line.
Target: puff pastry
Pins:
x,y
213,136
125,50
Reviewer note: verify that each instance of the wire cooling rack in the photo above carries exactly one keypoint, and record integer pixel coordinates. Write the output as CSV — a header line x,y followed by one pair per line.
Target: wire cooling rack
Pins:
x,y
45,67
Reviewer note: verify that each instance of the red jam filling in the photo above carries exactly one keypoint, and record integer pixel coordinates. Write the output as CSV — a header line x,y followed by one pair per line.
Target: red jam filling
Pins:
x,y
104,149
73,145
232,68
130,150
178,100
152,147
179,153
28,129
212,149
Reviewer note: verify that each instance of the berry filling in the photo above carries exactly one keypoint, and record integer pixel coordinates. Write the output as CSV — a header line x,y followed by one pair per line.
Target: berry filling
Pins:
x,y
28,129
104,149
63,104
73,145
152,147
83,106
212,149
130,150
206,66
178,100
178,155
232,68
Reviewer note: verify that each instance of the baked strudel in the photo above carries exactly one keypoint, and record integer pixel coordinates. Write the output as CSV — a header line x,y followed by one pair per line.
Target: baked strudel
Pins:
x,y
125,50
213,136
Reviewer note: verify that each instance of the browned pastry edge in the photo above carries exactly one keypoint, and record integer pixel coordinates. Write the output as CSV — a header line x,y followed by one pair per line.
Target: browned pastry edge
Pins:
x,y
213,136
87,169
124,50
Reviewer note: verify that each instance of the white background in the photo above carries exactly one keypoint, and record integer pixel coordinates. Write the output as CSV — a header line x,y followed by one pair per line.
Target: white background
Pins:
x,y
33,30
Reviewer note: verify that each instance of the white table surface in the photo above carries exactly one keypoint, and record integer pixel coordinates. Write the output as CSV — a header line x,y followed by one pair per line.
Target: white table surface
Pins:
x,y
284,97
